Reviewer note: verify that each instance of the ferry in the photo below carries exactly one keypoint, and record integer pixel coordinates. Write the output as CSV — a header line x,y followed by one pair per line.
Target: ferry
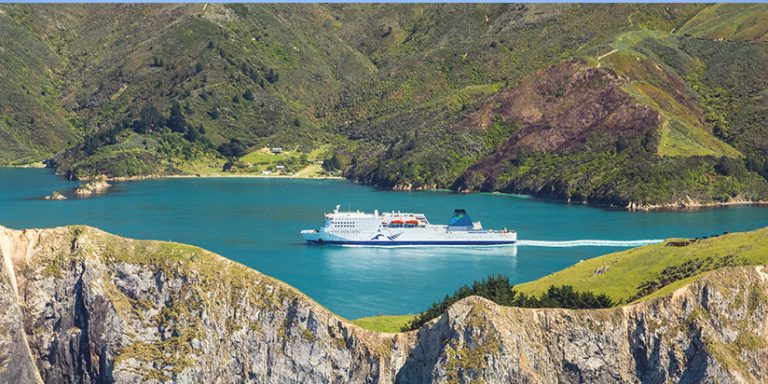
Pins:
x,y
355,228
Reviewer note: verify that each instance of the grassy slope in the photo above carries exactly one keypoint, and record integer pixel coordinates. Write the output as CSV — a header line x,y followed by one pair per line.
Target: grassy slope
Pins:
x,y
384,323
683,130
30,98
738,22
624,271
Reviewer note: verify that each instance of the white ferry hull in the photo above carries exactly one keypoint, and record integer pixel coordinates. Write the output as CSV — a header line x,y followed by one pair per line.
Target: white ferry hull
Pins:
x,y
358,229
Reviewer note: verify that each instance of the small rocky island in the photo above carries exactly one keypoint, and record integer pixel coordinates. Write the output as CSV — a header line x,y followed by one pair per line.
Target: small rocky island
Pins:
x,y
95,186
56,195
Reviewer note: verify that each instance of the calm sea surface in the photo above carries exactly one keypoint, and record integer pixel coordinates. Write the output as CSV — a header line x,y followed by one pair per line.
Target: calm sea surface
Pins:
x,y
257,222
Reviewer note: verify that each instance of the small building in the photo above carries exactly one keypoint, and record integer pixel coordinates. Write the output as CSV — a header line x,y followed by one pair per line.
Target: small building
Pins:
x,y
266,173
280,167
277,150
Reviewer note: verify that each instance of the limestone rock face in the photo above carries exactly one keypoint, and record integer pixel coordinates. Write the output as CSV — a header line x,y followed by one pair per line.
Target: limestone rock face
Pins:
x,y
80,305
713,330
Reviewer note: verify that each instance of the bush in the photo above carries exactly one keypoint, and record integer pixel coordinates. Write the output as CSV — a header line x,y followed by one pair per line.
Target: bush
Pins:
x,y
176,120
150,119
214,113
272,76
232,149
499,290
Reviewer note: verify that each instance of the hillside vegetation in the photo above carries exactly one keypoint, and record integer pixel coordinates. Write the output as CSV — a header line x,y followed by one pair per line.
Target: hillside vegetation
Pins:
x,y
656,269
630,276
621,104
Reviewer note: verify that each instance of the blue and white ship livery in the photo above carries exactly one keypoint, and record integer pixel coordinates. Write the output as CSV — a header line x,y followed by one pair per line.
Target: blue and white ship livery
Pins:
x,y
404,229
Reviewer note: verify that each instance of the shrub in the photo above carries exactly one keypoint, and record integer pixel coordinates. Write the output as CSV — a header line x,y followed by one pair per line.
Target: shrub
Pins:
x,y
150,119
498,289
232,149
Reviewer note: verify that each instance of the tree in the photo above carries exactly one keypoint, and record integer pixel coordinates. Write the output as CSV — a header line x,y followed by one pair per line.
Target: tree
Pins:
x,y
90,145
176,120
194,134
232,149
499,290
214,113
150,119
621,144
726,166
248,95
272,76
236,99
198,67
337,161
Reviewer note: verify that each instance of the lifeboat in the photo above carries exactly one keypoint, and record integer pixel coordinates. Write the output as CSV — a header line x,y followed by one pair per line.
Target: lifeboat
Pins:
x,y
412,221
396,222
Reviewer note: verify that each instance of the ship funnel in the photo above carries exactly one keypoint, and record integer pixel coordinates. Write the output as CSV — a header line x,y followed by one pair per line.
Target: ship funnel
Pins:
x,y
460,219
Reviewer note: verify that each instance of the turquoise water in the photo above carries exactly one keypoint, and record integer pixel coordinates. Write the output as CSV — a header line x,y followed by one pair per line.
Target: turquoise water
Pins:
x,y
257,222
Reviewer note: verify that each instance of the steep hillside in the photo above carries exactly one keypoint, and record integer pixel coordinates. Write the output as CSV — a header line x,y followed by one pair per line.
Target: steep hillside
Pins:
x,y
401,96
86,306
81,305
33,123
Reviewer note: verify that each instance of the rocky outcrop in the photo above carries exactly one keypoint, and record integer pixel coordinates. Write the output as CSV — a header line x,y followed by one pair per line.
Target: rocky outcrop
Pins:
x,y
711,331
56,195
80,305
95,186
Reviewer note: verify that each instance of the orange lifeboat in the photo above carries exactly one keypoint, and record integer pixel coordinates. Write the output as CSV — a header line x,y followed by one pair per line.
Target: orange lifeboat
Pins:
x,y
412,221
396,222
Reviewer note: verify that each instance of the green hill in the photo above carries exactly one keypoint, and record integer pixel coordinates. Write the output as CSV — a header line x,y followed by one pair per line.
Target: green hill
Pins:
x,y
637,274
612,103
657,269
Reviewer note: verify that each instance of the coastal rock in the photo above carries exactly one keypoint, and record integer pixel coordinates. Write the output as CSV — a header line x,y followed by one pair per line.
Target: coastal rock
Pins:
x,y
80,305
56,195
95,186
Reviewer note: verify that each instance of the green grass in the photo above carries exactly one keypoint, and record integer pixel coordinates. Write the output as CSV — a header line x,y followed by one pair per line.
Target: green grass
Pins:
x,y
296,163
626,270
621,273
738,22
653,83
384,323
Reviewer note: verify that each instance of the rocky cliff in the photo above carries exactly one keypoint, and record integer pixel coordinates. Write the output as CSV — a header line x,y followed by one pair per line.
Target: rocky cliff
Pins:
x,y
81,305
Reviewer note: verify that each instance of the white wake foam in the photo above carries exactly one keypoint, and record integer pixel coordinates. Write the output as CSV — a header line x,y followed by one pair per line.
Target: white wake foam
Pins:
x,y
587,243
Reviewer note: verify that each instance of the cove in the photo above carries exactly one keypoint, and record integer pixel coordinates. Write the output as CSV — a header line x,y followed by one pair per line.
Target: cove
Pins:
x,y
257,221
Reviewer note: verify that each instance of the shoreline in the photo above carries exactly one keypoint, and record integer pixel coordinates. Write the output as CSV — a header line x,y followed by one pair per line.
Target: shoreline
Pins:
x,y
31,165
692,205
221,176
687,205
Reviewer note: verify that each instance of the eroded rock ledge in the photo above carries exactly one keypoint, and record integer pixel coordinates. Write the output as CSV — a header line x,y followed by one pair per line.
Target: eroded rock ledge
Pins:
x,y
78,304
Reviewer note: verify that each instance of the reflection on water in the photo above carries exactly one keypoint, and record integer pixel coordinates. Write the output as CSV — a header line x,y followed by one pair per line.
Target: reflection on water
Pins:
x,y
412,260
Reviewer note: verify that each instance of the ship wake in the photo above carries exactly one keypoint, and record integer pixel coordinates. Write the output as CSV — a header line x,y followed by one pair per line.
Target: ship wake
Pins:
x,y
587,243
